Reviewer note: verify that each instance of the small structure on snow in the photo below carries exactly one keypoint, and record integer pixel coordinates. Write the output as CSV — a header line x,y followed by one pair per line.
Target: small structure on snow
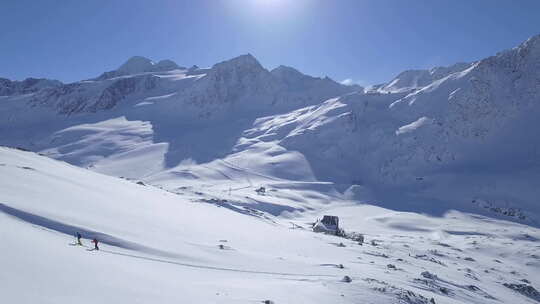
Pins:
x,y
328,224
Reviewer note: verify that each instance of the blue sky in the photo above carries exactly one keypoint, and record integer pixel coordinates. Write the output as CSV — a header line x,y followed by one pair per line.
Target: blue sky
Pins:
x,y
363,40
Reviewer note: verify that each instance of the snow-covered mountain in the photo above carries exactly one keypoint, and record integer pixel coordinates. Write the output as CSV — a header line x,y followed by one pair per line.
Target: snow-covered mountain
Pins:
x,y
465,138
168,111
448,138
240,83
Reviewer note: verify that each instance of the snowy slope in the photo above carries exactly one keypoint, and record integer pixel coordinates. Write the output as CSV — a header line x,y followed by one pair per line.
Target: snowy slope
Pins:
x,y
163,247
462,142
415,79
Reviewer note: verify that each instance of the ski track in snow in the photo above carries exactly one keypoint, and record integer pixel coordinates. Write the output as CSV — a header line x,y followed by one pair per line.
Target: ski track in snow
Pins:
x,y
120,243
72,230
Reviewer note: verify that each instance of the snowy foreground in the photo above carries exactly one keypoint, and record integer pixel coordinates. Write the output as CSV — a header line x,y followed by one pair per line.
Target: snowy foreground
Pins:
x,y
194,247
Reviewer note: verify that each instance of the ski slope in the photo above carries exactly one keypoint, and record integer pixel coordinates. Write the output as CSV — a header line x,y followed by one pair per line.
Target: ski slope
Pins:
x,y
164,247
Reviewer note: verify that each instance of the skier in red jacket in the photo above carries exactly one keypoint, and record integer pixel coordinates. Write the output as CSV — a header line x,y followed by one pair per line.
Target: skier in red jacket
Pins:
x,y
95,241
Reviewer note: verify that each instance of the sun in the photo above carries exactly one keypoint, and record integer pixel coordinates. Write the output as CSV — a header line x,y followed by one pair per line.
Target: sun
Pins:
x,y
269,3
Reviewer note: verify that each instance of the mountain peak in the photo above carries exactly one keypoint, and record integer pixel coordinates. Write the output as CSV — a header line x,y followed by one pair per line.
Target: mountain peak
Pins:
x,y
283,71
530,46
166,65
246,60
140,64
136,64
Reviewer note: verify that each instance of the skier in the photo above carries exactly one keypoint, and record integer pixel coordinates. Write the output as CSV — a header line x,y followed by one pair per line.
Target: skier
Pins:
x,y
79,236
95,241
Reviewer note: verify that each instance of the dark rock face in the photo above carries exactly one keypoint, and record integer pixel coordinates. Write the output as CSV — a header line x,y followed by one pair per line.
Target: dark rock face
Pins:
x,y
29,85
91,97
525,289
